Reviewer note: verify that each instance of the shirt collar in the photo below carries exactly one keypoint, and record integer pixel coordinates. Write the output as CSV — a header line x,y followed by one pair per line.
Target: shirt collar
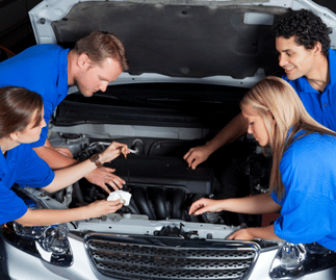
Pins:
x,y
303,84
62,83
297,134
3,165
332,66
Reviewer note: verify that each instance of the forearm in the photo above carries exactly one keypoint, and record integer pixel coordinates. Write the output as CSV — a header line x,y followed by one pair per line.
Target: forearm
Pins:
x,y
264,233
54,159
253,233
257,204
67,176
236,128
42,217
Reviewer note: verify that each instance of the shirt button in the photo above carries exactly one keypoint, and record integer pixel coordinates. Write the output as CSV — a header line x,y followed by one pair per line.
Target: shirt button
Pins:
x,y
325,105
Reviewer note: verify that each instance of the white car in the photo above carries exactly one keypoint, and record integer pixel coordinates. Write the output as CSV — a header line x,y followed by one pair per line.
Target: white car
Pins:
x,y
190,64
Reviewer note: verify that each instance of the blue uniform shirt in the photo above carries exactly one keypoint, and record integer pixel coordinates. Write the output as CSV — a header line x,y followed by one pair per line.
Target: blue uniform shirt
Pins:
x,y
320,106
43,69
22,166
308,173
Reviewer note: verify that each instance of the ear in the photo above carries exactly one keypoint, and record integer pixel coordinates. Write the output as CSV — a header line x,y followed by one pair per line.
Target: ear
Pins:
x,y
273,122
83,61
14,136
318,48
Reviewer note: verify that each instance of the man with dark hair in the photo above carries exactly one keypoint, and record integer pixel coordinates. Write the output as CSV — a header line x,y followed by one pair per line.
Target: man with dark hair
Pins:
x,y
302,40
303,43
305,28
49,70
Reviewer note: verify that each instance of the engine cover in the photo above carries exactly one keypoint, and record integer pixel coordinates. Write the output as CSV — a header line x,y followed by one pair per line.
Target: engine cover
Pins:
x,y
164,172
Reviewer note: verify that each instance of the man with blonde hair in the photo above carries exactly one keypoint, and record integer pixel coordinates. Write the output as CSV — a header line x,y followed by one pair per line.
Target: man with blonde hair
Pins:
x,y
49,70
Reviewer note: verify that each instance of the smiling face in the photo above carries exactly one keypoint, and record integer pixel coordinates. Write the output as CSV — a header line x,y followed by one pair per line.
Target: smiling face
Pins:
x,y
256,125
296,60
93,77
32,132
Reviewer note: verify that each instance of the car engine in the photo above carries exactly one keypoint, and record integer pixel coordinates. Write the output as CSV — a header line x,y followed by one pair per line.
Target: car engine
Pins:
x,y
162,187
161,184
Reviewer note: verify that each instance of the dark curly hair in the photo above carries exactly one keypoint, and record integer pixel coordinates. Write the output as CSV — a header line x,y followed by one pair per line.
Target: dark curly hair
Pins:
x,y
307,28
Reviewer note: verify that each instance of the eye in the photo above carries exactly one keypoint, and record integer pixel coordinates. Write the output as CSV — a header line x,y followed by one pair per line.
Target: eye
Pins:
x,y
251,123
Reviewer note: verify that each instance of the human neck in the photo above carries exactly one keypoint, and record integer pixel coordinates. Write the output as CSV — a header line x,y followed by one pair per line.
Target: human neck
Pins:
x,y
319,76
7,144
71,59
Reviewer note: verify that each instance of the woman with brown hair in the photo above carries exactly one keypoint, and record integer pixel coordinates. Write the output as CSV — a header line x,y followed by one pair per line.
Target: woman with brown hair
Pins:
x,y
303,175
21,121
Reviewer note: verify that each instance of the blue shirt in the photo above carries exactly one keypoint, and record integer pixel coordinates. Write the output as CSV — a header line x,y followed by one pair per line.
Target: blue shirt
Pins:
x,y
320,106
308,173
22,166
43,69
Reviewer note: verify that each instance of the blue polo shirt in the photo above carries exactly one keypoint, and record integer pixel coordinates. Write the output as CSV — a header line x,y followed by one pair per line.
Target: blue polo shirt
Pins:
x,y
24,167
308,173
43,69
320,106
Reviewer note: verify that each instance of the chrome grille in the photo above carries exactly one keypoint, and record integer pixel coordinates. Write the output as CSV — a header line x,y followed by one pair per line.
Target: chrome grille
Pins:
x,y
156,258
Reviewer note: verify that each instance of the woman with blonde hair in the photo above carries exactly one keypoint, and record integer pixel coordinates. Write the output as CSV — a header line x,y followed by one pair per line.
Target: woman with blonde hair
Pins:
x,y
303,175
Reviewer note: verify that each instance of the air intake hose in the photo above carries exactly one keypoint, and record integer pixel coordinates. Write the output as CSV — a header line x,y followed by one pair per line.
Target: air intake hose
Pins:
x,y
141,201
159,195
177,201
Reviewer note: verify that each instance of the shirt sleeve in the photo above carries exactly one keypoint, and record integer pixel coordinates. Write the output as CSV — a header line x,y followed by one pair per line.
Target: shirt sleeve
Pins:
x,y
276,199
305,219
307,213
35,172
12,206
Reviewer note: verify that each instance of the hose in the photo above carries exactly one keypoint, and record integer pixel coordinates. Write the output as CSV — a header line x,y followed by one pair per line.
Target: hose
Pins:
x,y
177,201
141,201
160,203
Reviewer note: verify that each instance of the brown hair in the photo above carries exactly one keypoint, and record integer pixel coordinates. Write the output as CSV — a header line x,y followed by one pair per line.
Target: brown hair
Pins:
x,y
100,45
17,106
276,96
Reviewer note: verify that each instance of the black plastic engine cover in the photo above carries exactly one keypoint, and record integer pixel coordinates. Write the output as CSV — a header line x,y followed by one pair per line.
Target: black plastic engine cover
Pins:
x,y
164,172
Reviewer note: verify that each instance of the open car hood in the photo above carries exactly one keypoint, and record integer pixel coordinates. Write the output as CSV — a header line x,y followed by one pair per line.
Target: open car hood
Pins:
x,y
181,39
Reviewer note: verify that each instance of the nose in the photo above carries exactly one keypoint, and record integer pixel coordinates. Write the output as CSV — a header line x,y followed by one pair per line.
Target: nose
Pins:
x,y
249,129
43,123
103,87
282,60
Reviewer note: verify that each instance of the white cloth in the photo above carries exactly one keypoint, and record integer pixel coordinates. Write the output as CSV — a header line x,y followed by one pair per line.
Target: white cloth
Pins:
x,y
125,197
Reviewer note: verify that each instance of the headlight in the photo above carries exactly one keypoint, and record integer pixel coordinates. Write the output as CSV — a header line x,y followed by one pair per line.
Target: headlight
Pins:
x,y
49,243
293,261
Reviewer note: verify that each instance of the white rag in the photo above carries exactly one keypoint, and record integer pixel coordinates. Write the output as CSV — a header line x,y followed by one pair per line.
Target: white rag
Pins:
x,y
125,197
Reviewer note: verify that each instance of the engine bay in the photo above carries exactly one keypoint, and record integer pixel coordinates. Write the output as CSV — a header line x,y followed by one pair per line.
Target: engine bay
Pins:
x,y
160,122
161,184
162,187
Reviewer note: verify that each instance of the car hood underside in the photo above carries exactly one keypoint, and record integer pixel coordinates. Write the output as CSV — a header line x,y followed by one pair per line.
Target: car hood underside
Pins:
x,y
181,40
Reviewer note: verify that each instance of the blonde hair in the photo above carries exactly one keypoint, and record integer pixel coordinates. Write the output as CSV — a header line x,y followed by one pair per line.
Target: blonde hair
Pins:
x,y
276,97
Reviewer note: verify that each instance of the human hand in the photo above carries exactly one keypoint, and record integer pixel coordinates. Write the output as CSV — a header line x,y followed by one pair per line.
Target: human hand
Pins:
x,y
205,205
103,207
113,151
104,175
242,234
64,151
196,156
